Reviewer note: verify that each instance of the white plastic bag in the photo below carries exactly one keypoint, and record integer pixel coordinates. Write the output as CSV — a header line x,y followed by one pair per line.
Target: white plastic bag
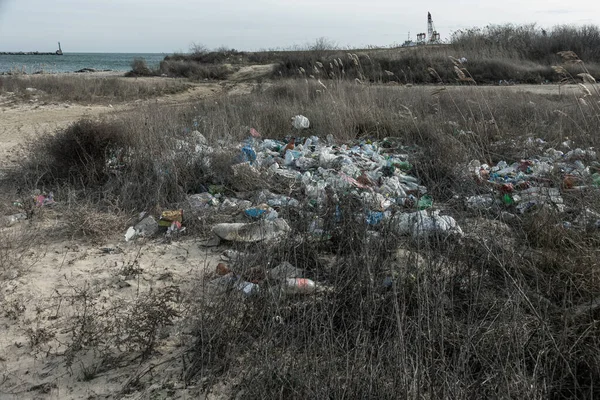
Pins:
x,y
300,122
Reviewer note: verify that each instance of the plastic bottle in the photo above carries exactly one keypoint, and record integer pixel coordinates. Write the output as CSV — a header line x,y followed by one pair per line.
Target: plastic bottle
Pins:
x,y
248,154
289,158
300,285
507,199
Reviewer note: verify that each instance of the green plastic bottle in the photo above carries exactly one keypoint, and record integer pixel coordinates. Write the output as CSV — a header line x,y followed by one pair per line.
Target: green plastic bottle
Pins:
x,y
508,200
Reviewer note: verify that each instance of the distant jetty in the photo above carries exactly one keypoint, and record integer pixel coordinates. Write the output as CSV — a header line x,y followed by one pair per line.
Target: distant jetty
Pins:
x,y
58,52
27,53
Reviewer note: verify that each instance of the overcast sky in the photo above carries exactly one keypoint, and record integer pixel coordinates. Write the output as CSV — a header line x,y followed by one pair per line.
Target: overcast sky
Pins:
x,y
148,26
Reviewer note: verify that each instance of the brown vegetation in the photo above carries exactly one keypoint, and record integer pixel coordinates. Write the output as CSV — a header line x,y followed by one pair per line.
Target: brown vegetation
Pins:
x,y
84,89
516,54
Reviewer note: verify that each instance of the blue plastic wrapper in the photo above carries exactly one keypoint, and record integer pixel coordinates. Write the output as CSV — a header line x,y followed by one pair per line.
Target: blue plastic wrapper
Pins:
x,y
374,217
248,154
255,212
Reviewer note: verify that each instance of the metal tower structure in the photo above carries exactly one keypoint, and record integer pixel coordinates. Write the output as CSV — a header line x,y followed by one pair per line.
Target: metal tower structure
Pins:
x,y
434,36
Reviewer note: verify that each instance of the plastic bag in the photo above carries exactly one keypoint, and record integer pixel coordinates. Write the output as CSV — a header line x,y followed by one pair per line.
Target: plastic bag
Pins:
x,y
300,122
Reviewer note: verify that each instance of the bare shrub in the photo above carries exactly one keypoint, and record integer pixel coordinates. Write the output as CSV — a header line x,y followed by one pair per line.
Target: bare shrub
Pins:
x,y
77,154
194,70
86,221
123,329
15,252
140,68
198,49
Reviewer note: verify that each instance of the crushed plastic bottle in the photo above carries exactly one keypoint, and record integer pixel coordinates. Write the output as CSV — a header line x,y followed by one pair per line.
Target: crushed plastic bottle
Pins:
x,y
422,224
404,165
202,200
285,270
480,201
248,154
262,211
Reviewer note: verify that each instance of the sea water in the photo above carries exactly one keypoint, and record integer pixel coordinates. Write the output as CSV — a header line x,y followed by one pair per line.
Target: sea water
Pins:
x,y
71,62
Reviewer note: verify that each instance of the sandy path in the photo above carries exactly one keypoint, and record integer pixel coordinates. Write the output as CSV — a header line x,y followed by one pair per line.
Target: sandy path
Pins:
x,y
20,121
252,72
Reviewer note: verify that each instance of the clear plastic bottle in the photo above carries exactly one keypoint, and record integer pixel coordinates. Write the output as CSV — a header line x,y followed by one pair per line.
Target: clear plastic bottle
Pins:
x,y
300,285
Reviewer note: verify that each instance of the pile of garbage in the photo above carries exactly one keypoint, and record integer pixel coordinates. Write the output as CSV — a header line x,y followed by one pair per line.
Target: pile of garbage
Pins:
x,y
282,280
537,182
171,221
377,173
38,199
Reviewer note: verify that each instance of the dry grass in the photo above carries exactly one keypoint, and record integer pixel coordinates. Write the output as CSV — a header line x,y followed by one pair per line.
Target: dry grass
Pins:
x,y
510,310
464,124
85,222
83,89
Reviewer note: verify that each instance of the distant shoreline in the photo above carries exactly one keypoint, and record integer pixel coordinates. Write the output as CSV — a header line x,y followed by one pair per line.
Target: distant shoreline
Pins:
x,y
27,53
71,62
74,53
83,73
